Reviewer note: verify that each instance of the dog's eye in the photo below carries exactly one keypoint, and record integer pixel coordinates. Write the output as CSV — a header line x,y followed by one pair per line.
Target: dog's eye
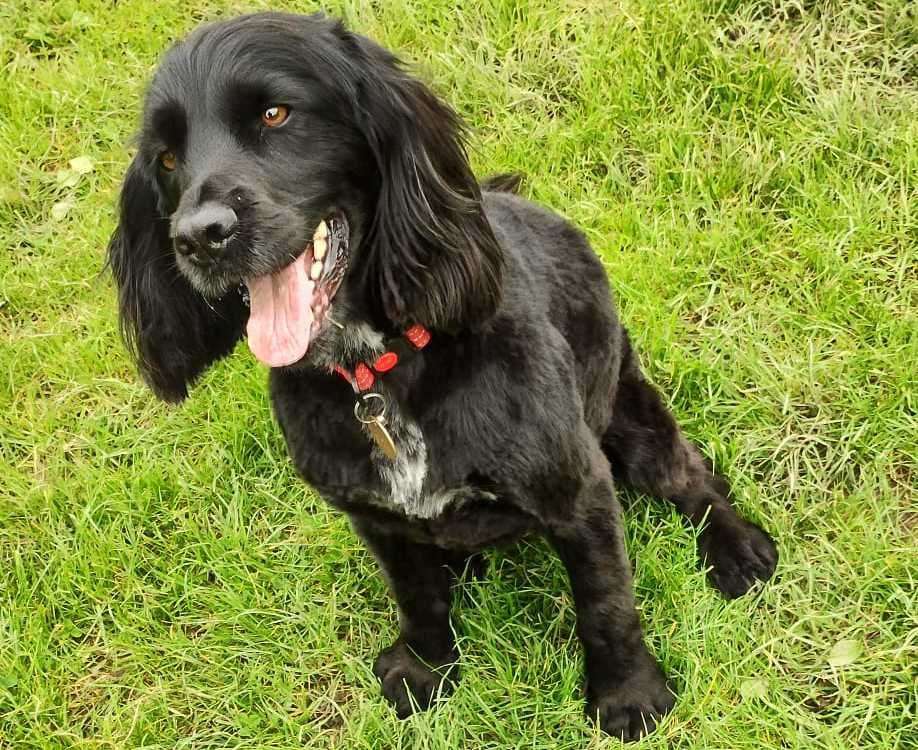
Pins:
x,y
167,160
275,116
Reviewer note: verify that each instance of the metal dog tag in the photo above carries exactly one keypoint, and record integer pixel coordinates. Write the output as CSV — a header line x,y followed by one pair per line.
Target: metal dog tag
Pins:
x,y
382,438
376,423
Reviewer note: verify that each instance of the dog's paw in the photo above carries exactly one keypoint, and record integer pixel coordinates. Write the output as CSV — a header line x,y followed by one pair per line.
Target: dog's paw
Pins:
x,y
739,553
408,683
632,708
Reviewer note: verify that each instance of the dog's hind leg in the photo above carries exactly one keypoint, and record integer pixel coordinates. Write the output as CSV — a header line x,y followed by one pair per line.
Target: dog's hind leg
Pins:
x,y
648,451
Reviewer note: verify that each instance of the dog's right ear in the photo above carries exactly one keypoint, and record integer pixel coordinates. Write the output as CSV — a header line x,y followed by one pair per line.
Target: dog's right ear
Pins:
x,y
172,331
435,259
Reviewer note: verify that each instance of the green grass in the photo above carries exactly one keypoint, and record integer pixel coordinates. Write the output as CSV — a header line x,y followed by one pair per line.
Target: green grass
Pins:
x,y
749,173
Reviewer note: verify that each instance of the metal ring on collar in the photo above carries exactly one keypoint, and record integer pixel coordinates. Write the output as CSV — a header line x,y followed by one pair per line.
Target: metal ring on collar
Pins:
x,y
362,408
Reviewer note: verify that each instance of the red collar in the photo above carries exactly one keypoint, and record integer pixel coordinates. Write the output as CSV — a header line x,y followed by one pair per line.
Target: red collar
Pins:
x,y
364,376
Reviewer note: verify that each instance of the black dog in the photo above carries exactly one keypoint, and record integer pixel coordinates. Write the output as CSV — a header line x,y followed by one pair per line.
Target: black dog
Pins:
x,y
446,363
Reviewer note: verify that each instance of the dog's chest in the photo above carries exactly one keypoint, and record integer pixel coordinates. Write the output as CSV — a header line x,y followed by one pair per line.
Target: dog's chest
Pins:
x,y
409,482
409,479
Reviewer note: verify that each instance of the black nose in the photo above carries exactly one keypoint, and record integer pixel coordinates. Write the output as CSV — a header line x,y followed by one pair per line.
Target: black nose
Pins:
x,y
203,234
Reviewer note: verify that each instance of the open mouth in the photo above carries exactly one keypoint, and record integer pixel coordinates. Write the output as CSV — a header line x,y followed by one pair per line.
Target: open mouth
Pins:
x,y
288,308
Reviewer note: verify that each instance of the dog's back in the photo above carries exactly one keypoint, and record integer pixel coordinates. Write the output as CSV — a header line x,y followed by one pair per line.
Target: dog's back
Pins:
x,y
554,275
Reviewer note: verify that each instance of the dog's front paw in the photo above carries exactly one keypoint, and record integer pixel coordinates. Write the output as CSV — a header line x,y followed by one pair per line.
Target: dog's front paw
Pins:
x,y
739,554
632,708
408,683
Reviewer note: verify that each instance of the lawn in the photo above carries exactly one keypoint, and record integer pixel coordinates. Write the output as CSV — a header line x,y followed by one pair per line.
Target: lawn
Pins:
x,y
748,171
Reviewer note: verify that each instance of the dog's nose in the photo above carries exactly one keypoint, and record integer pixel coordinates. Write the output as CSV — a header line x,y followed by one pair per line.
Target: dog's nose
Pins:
x,y
204,233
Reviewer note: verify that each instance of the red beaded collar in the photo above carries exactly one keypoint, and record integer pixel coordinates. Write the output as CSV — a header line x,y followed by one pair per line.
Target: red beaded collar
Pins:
x,y
364,375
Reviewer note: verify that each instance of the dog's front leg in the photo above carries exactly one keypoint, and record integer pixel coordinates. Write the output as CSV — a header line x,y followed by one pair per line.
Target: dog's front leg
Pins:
x,y
421,663
625,688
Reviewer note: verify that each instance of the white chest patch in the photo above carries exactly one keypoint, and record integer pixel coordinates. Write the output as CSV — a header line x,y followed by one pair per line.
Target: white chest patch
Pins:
x,y
406,474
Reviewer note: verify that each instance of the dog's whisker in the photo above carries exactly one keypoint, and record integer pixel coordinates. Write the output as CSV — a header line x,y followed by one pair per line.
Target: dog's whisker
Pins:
x,y
207,302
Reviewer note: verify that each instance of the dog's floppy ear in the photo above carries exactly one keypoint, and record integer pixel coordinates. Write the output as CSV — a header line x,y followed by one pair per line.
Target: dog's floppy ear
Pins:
x,y
172,331
433,255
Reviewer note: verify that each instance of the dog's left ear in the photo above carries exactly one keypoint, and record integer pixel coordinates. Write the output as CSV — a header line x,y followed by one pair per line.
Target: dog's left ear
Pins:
x,y
172,331
433,257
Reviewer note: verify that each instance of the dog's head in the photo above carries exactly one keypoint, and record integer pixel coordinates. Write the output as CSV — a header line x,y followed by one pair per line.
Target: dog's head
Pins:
x,y
289,173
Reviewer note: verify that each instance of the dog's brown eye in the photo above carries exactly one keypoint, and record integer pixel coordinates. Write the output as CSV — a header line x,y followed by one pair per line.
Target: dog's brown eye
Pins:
x,y
167,159
275,116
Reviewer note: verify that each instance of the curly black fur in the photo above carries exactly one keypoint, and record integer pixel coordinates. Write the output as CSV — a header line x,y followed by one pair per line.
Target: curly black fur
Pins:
x,y
507,422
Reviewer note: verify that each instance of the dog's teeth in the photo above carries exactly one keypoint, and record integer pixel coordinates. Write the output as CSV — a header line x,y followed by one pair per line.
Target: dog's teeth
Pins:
x,y
321,232
316,271
319,246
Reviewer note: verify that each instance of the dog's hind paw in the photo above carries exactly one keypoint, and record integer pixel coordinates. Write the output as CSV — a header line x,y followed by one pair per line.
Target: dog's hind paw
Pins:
x,y
739,553
408,683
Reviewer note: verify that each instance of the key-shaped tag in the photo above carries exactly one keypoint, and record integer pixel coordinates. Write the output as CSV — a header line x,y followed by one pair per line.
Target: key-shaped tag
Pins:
x,y
376,423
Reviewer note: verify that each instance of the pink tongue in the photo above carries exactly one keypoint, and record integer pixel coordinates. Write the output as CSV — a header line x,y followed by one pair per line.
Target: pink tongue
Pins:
x,y
280,314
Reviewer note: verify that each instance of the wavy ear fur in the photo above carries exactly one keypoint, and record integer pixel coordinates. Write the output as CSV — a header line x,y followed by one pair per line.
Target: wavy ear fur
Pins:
x,y
172,331
433,255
